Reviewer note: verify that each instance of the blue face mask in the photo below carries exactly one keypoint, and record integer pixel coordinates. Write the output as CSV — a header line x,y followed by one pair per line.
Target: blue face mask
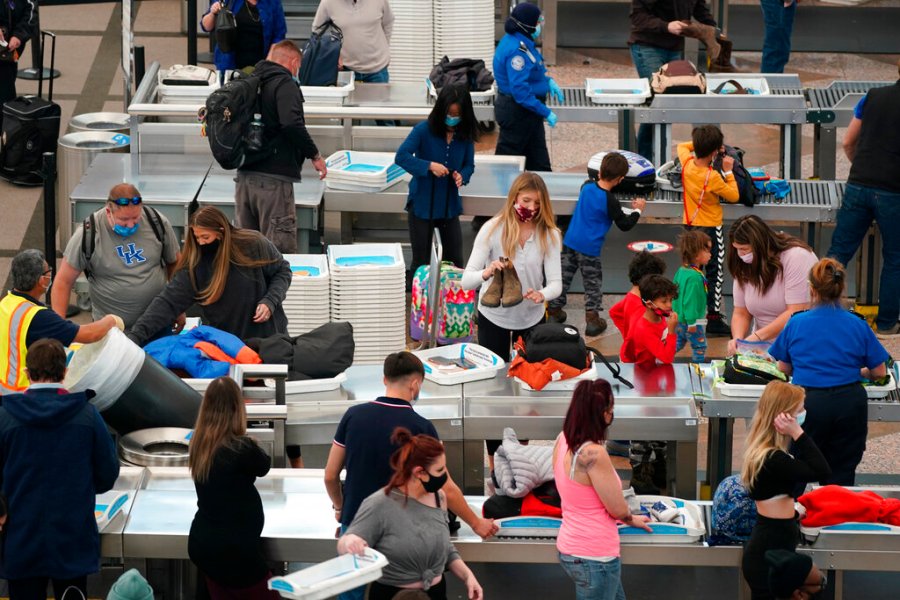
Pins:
x,y
452,121
296,79
125,231
801,418
537,32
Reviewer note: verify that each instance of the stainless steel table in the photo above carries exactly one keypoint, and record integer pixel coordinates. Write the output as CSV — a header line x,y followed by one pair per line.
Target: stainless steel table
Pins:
x,y
130,480
722,410
167,182
314,417
660,407
218,190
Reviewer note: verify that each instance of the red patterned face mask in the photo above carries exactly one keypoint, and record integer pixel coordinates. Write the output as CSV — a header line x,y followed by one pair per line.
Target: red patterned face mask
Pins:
x,y
525,214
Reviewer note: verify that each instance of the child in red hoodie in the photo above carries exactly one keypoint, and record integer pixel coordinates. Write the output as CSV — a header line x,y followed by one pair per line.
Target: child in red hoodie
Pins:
x,y
630,307
652,337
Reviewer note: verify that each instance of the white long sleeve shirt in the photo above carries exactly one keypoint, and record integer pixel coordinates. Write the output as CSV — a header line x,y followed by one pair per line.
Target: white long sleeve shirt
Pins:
x,y
535,270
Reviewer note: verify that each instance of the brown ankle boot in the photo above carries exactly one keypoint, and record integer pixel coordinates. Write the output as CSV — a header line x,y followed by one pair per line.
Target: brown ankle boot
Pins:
x,y
556,315
706,34
723,63
512,287
491,298
594,323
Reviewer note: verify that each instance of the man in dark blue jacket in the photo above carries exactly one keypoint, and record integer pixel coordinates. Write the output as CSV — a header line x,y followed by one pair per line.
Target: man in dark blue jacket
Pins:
x,y
56,455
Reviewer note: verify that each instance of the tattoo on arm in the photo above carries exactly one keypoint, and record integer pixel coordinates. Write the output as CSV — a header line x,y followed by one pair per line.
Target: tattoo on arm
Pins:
x,y
587,458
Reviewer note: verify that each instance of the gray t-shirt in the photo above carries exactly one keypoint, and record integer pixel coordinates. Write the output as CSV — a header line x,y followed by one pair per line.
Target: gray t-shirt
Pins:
x,y
126,272
414,537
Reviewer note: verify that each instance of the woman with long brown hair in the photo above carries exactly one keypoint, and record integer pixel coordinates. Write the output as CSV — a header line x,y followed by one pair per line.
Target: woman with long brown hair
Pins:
x,y
516,261
224,541
237,276
772,476
827,349
407,522
769,270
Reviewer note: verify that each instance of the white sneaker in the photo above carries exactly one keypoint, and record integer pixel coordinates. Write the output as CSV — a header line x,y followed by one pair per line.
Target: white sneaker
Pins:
x,y
887,334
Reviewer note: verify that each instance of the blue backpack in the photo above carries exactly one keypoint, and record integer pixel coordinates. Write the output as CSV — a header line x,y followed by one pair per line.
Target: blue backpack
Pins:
x,y
733,513
321,55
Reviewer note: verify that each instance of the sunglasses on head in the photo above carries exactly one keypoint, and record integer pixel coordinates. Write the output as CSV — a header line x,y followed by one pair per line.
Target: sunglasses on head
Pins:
x,y
125,201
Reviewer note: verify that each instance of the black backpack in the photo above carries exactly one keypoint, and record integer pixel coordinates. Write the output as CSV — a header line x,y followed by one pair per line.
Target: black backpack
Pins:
x,y
320,56
749,195
470,72
226,119
743,370
89,237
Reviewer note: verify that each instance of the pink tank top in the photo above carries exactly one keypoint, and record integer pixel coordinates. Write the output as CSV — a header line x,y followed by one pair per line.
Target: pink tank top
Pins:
x,y
587,529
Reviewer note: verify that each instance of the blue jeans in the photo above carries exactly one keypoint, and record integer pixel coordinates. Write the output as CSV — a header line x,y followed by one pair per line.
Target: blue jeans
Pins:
x,y
647,61
594,580
859,207
381,76
356,593
779,22
697,339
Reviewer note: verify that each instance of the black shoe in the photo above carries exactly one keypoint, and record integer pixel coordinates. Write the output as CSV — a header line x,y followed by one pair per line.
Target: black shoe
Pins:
x,y
556,315
716,325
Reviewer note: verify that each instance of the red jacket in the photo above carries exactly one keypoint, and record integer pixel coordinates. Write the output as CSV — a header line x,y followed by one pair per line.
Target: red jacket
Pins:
x,y
625,311
648,342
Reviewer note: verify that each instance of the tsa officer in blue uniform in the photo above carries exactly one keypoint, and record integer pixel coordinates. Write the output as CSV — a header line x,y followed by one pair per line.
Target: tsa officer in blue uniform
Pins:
x,y
523,86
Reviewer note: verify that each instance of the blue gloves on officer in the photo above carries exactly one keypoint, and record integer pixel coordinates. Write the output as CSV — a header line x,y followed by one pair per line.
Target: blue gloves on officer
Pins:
x,y
556,91
552,119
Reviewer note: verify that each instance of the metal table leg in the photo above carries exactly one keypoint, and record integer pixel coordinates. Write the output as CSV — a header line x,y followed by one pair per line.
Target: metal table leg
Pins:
x,y
719,448
338,227
824,152
683,457
473,467
551,24
626,130
791,151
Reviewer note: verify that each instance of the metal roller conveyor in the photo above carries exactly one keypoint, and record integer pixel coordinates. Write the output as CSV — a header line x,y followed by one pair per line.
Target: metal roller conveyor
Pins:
x,y
660,407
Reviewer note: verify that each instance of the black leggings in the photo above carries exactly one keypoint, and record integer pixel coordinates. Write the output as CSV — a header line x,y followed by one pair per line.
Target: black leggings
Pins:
x,y
768,534
837,420
379,591
451,240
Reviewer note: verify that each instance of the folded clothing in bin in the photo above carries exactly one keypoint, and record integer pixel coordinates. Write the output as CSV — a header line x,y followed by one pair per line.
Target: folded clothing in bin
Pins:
x,y
322,353
204,352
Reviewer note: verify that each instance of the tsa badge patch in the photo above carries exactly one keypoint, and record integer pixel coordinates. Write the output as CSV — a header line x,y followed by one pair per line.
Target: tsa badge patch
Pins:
x,y
517,63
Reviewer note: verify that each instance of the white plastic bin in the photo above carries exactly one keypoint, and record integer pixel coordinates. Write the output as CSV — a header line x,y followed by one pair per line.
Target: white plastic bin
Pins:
x,y
331,577
617,91
486,363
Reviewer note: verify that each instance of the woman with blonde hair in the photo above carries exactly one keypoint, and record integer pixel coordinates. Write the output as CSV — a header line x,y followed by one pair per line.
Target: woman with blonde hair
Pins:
x,y
516,261
828,350
237,276
771,476
224,541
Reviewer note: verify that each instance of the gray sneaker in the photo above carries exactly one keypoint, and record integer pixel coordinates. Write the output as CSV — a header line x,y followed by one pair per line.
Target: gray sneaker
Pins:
x,y
887,334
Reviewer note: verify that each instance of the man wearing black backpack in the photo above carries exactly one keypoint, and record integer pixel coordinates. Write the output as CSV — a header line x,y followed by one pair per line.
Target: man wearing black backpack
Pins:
x,y
264,197
126,249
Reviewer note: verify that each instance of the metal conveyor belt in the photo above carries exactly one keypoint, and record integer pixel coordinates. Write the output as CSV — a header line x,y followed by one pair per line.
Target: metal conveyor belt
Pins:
x,y
828,97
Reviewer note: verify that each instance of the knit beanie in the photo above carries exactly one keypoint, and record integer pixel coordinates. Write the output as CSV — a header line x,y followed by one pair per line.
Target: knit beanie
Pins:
x,y
524,18
130,586
787,571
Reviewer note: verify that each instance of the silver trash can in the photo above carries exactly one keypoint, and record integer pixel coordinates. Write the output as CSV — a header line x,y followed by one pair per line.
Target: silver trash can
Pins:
x,y
100,121
73,157
158,447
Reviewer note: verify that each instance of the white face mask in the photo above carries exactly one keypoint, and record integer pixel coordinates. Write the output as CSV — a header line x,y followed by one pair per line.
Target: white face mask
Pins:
x,y
747,258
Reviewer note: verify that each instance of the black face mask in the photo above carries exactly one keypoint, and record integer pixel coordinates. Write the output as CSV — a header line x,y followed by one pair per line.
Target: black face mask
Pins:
x,y
210,249
435,483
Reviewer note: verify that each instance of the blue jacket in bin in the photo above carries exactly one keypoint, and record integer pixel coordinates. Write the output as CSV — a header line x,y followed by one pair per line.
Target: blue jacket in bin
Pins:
x,y
271,13
180,352
56,455
416,153
520,72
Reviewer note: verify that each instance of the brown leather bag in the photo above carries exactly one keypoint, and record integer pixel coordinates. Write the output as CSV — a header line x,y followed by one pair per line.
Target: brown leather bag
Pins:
x,y
738,88
678,77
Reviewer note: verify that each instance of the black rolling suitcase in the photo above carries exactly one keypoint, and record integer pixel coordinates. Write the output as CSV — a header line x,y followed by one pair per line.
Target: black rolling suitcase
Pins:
x,y
30,128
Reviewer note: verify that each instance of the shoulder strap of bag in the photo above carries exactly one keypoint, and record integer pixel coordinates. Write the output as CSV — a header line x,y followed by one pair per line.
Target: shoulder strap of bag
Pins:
x,y
88,242
737,86
156,225
614,368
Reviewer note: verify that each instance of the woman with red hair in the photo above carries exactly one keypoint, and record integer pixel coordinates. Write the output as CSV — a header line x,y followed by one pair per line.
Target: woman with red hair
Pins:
x,y
407,522
591,493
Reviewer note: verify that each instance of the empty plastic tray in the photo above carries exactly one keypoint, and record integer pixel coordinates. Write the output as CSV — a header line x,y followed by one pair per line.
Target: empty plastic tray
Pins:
x,y
617,91
331,577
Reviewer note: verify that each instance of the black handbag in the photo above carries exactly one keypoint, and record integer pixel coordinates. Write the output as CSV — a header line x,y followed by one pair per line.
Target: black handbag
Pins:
x,y
226,29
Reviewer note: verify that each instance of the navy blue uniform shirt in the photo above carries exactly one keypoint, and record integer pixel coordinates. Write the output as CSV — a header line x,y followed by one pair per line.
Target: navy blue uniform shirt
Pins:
x,y
48,324
827,346
365,433
520,72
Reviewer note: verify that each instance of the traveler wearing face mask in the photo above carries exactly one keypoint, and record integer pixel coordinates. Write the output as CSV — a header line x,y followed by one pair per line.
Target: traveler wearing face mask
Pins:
x,y
24,320
128,252
260,23
780,457
237,277
515,261
827,349
523,86
406,520
264,196
363,446
770,271
652,336
440,155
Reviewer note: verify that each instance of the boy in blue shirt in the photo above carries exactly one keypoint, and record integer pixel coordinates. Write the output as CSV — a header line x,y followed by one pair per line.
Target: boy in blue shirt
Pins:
x,y
594,214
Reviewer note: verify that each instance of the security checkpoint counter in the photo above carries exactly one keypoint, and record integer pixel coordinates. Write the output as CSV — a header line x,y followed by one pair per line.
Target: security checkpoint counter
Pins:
x,y
660,407
722,410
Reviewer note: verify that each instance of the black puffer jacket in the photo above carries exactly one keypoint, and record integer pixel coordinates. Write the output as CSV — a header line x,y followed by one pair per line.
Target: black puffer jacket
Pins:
x,y
286,141
18,18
